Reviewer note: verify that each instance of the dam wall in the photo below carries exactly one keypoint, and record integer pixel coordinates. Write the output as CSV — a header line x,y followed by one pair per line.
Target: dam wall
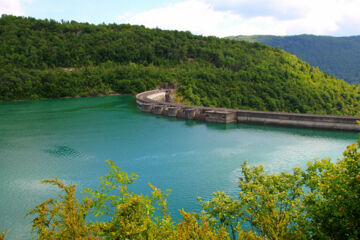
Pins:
x,y
157,102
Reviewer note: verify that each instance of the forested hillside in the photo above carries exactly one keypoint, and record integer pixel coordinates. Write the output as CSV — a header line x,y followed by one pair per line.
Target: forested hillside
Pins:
x,y
49,59
339,56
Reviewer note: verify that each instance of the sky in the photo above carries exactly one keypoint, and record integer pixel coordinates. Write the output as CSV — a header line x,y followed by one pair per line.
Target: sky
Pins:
x,y
204,17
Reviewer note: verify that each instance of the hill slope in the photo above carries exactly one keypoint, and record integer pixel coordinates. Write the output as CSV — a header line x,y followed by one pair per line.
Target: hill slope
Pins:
x,y
339,56
48,59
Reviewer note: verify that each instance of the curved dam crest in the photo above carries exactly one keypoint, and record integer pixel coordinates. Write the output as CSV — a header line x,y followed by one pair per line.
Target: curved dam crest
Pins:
x,y
159,102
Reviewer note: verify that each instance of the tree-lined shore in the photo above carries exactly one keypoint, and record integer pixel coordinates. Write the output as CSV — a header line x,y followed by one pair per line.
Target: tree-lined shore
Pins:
x,y
48,59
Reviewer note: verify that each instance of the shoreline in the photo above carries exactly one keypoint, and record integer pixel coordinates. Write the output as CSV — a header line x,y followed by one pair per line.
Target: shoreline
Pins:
x,y
68,97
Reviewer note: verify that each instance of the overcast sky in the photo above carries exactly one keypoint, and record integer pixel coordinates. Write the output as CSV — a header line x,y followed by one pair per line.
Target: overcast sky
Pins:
x,y
206,17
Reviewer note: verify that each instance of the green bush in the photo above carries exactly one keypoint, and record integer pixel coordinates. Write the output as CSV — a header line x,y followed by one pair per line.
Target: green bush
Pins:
x,y
320,202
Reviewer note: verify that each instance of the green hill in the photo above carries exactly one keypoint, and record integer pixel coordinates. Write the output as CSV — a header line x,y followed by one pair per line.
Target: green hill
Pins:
x,y
339,56
49,59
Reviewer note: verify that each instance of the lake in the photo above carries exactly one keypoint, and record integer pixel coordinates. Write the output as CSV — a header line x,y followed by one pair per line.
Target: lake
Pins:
x,y
71,138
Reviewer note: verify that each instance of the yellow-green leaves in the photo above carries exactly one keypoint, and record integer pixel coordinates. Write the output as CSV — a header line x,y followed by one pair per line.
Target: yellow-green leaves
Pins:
x,y
320,202
129,215
197,228
64,218
224,212
272,203
334,196
2,235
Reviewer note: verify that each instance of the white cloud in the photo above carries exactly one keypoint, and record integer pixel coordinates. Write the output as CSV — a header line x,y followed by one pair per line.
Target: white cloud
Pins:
x,y
193,15
11,7
234,17
254,8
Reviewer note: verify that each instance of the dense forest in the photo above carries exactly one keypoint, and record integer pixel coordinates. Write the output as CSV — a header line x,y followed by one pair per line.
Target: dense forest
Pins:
x,y
339,56
48,59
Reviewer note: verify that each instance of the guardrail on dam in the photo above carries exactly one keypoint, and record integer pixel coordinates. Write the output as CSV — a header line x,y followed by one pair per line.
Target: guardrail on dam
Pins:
x,y
157,102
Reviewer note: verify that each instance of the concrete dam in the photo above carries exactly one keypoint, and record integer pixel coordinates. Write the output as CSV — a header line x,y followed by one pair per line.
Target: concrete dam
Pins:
x,y
158,102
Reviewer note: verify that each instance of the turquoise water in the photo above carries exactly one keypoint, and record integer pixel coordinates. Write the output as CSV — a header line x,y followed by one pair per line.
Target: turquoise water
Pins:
x,y
71,139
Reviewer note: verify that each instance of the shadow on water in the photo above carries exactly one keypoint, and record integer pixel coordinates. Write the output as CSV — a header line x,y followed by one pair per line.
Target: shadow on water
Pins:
x,y
289,130
64,152
64,105
116,103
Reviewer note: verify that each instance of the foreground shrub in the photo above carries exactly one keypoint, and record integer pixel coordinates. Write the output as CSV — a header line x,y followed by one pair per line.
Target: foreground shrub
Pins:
x,y
130,216
320,202
2,235
333,201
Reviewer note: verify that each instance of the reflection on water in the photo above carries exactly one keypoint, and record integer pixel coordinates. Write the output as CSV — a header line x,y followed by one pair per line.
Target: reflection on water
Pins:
x,y
71,139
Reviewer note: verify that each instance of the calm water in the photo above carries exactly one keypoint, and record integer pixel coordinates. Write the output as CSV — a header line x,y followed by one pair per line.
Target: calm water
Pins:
x,y
71,138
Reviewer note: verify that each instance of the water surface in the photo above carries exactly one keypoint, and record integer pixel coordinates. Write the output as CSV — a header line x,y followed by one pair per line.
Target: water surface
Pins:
x,y
71,139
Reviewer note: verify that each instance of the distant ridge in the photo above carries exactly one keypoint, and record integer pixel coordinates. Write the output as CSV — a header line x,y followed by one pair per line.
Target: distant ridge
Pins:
x,y
339,56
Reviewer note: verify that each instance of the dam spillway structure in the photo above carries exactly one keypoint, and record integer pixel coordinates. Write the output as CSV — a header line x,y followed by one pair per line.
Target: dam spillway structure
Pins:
x,y
172,111
158,109
160,102
190,113
224,116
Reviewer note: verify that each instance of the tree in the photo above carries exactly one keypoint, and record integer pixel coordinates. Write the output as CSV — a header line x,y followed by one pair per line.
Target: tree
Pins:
x,y
129,215
333,201
320,202
2,235
269,205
